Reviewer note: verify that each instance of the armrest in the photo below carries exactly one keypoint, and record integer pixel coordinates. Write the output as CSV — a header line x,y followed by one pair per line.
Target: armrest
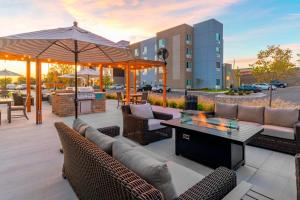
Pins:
x,y
111,131
135,122
214,186
297,132
163,116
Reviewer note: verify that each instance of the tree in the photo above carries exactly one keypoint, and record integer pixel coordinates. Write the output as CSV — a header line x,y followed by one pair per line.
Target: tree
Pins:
x,y
21,80
273,63
57,70
107,81
298,55
2,81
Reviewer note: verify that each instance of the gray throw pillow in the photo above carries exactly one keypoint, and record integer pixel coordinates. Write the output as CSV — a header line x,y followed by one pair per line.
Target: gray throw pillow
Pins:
x,y
80,126
251,114
104,142
142,110
281,117
225,110
151,170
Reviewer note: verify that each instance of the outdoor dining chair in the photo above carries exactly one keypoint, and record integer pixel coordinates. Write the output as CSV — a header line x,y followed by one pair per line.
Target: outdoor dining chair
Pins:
x,y
19,105
121,99
144,98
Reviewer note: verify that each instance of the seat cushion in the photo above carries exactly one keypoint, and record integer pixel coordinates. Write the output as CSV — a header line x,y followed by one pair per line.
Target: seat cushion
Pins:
x,y
249,123
154,124
17,108
153,171
183,178
279,131
150,153
225,110
251,114
281,117
80,126
103,141
142,110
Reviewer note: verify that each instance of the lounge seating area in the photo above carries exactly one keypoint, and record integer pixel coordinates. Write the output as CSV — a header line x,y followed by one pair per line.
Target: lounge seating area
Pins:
x,y
281,126
262,172
110,169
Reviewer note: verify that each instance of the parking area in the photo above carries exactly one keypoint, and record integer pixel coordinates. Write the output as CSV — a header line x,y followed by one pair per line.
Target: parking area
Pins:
x,y
291,94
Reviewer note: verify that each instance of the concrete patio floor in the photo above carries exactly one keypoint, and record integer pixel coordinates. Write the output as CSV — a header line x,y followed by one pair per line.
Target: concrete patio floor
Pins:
x,y
31,163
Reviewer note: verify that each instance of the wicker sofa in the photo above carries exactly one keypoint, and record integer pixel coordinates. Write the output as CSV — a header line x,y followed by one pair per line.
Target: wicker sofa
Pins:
x,y
281,126
138,128
94,174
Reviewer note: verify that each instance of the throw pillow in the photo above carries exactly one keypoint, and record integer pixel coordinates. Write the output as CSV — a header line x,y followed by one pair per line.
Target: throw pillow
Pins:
x,y
103,141
142,110
80,126
153,171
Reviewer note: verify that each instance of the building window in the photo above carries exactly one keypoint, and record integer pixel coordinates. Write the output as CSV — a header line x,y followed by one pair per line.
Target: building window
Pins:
x,y
218,82
218,52
188,82
218,37
162,43
145,58
145,50
155,57
188,38
189,52
189,65
136,52
218,66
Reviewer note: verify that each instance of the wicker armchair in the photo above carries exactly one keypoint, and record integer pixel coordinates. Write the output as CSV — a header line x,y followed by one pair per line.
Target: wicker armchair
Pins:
x,y
93,174
19,105
136,128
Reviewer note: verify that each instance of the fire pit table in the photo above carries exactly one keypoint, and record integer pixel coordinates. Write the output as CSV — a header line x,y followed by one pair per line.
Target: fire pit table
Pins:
x,y
211,141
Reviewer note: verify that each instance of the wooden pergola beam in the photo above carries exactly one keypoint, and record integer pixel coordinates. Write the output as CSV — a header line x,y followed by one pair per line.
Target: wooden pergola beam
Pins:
x,y
28,85
38,90
128,84
101,77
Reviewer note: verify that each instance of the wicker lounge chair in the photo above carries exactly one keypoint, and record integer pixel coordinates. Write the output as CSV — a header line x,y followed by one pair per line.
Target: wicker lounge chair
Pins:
x,y
94,174
137,128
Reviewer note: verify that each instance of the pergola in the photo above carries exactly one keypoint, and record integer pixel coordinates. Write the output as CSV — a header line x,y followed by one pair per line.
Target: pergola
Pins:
x,y
128,66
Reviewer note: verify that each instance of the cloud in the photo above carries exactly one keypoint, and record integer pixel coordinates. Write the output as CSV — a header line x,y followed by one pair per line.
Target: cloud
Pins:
x,y
142,19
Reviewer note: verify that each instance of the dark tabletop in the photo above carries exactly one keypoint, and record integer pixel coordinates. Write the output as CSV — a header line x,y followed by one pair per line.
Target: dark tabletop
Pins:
x,y
243,135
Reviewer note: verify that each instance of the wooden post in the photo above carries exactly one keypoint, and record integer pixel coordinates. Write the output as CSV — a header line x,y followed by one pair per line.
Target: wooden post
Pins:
x,y
28,86
134,81
127,84
101,78
38,92
165,85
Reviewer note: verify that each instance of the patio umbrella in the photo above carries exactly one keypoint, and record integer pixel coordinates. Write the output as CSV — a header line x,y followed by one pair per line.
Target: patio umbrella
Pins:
x,y
6,73
88,73
65,44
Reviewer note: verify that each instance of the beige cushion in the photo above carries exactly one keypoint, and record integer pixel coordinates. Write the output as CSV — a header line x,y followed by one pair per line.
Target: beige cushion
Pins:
x,y
183,178
251,114
249,123
150,154
281,117
228,111
142,110
153,171
154,124
279,131
104,142
80,126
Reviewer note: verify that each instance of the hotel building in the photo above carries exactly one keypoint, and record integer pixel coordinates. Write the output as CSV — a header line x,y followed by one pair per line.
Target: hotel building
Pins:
x,y
195,56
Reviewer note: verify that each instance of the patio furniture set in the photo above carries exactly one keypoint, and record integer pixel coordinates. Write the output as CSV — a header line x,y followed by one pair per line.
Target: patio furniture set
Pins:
x,y
136,98
16,105
116,170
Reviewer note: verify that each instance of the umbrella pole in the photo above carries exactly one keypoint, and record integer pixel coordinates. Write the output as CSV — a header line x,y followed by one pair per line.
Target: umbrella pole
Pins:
x,y
76,61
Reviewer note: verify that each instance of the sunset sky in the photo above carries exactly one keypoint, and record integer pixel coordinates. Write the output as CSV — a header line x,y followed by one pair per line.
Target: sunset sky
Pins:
x,y
249,25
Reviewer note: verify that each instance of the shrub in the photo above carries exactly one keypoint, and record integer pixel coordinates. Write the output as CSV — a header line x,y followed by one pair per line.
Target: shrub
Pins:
x,y
200,107
111,96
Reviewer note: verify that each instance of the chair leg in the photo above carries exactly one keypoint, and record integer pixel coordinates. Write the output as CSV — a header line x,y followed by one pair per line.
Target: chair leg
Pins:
x,y
25,114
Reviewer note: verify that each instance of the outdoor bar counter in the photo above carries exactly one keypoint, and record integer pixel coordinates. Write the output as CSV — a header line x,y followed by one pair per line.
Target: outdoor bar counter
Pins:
x,y
63,103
